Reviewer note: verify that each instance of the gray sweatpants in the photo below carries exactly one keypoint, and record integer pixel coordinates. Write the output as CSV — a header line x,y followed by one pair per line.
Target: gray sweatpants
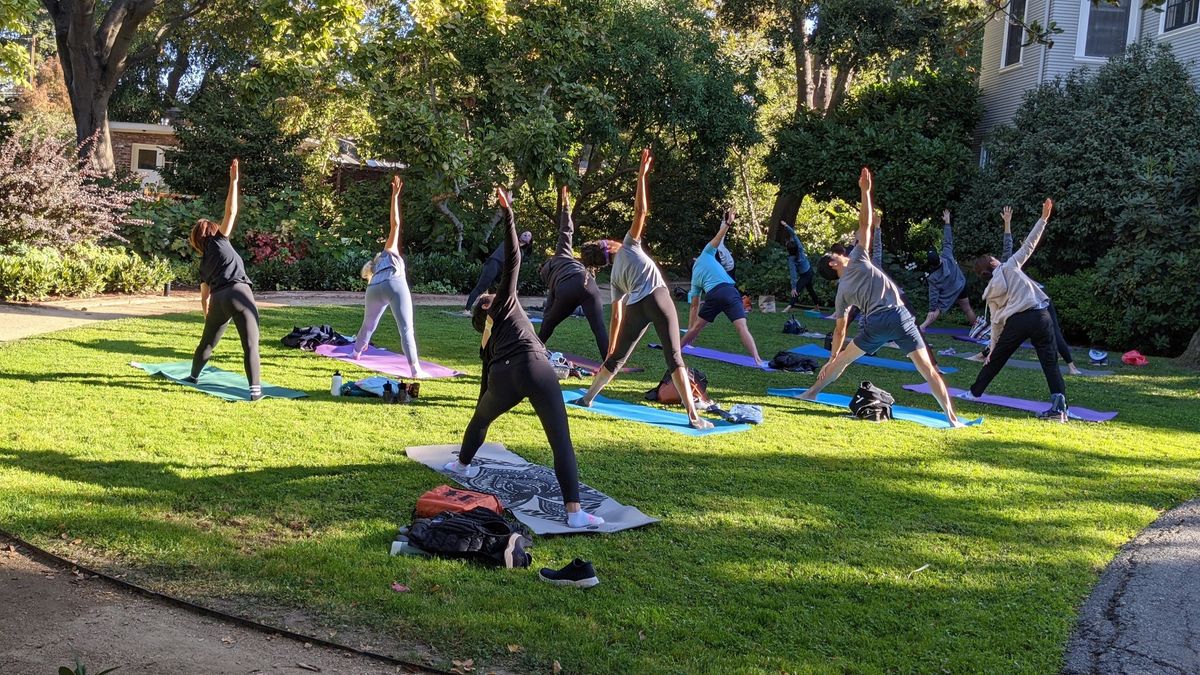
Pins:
x,y
391,293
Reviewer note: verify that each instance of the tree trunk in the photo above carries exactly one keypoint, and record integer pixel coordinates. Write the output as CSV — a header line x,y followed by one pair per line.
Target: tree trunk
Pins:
x,y
182,62
91,130
1191,356
786,207
459,229
749,199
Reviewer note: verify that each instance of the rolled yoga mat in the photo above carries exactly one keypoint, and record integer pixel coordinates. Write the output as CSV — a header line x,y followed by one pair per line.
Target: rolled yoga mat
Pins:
x,y
929,418
220,383
530,491
593,365
656,417
716,355
1021,404
818,351
383,361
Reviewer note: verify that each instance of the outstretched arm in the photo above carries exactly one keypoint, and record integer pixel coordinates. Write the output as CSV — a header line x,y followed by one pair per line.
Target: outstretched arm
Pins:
x,y
231,200
866,207
396,233
566,227
1006,215
726,222
641,200
614,325
512,251
947,235
1023,254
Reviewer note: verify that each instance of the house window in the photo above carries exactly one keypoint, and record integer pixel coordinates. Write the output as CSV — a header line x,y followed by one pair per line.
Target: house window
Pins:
x,y
146,161
1105,28
1179,13
1014,33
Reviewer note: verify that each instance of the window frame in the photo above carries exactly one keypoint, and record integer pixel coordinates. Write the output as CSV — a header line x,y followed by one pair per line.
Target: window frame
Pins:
x,y
1162,22
1008,24
1085,13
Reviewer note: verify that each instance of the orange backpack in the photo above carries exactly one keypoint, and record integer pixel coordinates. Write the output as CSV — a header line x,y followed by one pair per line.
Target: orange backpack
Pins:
x,y
445,498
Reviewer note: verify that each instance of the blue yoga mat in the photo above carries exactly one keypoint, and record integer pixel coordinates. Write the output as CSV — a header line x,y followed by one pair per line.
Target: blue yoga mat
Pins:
x,y
929,418
820,352
657,417
814,314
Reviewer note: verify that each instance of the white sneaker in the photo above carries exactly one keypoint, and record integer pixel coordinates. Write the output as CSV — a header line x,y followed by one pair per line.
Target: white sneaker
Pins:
x,y
459,469
966,395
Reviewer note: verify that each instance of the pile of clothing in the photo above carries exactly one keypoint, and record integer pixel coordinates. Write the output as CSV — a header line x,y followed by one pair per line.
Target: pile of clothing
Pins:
x,y
309,338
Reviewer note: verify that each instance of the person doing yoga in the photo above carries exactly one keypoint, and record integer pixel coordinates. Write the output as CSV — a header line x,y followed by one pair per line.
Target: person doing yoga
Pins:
x,y
515,368
491,270
640,298
799,268
1020,311
569,284
947,284
225,293
387,286
721,296
1064,350
861,284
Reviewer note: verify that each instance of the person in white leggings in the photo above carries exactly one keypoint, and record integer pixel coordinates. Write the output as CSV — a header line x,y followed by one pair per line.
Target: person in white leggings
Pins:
x,y
387,286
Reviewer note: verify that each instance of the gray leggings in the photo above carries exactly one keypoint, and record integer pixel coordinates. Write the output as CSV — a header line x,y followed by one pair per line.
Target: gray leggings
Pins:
x,y
391,293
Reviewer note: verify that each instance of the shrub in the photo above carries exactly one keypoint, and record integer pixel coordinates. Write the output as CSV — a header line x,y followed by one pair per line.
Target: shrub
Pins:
x,y
34,273
321,273
49,197
1087,316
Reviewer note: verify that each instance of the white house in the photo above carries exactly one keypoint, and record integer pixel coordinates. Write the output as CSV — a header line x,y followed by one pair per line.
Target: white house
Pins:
x,y
1092,33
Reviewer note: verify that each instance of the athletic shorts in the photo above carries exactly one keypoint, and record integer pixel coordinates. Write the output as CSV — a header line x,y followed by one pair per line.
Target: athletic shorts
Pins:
x,y
724,299
964,295
887,325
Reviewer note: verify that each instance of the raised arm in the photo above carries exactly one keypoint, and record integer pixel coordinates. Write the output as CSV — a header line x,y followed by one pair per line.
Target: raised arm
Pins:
x,y
231,200
1023,254
726,222
1006,248
512,251
641,199
866,207
947,235
396,233
566,227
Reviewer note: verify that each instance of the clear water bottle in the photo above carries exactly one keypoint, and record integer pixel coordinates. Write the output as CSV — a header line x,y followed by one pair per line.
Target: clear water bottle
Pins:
x,y
335,387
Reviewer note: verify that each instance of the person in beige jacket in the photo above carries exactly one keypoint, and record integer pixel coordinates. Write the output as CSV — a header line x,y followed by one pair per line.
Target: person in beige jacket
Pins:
x,y
1020,311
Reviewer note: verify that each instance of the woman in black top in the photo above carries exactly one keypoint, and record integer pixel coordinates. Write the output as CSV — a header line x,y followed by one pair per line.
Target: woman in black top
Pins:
x,y
225,293
569,283
515,368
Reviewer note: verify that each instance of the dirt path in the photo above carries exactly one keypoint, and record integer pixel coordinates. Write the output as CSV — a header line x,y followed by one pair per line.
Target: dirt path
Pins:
x,y
52,616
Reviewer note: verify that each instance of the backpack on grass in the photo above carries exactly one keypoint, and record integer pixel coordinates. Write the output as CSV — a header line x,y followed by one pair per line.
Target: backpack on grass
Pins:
x,y
445,498
793,363
871,403
666,392
478,535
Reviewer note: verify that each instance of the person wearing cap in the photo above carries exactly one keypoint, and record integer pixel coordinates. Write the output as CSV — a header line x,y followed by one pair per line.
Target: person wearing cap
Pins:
x,y
947,284
864,285
491,271
712,281
1020,311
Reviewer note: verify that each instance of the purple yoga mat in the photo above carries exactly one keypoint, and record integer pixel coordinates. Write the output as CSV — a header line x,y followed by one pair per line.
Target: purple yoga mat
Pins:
x,y
1026,344
934,330
383,361
715,355
1022,404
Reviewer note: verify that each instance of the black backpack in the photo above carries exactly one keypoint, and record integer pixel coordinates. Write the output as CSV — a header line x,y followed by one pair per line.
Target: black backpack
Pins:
x,y
871,403
793,363
479,535
793,327
309,338
664,391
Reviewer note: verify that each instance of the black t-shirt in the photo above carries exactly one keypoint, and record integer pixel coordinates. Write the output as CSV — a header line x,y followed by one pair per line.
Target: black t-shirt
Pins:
x,y
512,333
221,266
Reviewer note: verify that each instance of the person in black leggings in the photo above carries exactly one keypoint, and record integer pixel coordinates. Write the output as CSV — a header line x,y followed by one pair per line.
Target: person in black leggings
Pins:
x,y
225,293
491,271
514,369
569,283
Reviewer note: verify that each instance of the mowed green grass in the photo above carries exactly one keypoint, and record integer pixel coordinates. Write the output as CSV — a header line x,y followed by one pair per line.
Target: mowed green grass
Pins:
x,y
810,543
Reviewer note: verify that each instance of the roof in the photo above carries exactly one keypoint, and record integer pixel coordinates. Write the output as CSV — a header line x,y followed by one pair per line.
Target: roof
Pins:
x,y
134,127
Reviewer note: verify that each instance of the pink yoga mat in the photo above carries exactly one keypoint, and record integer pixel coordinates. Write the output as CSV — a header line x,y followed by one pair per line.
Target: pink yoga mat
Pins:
x,y
383,361
716,355
1075,412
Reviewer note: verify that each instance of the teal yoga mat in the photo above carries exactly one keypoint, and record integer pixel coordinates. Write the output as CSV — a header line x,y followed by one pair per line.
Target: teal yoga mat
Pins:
x,y
820,352
220,383
664,419
929,418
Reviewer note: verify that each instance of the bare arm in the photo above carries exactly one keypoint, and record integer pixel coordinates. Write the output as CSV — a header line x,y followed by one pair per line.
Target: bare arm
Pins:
x,y
614,325
726,222
866,207
231,200
396,233
641,200
204,296
694,312
839,335
1035,235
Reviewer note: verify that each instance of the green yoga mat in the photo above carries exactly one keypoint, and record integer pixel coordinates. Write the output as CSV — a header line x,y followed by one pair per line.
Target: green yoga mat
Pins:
x,y
220,383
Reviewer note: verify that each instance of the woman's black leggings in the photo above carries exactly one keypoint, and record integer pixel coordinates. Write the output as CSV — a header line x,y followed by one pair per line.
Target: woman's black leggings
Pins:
x,y
1036,326
1064,350
578,291
508,383
658,309
804,281
232,303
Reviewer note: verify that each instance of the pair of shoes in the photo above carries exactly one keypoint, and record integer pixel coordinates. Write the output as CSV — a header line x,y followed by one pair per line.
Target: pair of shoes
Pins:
x,y
578,573
1057,411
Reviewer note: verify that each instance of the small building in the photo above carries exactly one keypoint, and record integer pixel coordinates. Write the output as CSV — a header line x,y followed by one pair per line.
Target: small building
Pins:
x,y
1093,32
141,148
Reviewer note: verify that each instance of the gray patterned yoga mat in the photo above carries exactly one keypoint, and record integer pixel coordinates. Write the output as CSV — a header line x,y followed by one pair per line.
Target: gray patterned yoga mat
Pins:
x,y
530,491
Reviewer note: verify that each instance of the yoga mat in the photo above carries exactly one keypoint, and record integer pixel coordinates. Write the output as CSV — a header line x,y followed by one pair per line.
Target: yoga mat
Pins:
x,y
532,319
1026,344
716,355
220,383
530,491
934,330
929,418
818,351
593,365
657,417
1021,404
1034,365
814,314
383,361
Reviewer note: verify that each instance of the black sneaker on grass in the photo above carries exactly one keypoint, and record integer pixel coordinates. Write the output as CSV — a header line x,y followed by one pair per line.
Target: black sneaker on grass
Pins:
x,y
578,573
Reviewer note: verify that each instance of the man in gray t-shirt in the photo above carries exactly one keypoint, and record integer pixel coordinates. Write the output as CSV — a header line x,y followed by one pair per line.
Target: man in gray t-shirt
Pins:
x,y
634,275
861,284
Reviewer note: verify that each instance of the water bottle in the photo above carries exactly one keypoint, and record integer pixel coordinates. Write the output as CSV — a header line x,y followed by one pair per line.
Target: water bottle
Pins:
x,y
335,388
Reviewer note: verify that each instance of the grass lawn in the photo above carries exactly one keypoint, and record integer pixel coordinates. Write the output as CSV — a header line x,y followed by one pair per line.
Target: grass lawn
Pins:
x,y
810,543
